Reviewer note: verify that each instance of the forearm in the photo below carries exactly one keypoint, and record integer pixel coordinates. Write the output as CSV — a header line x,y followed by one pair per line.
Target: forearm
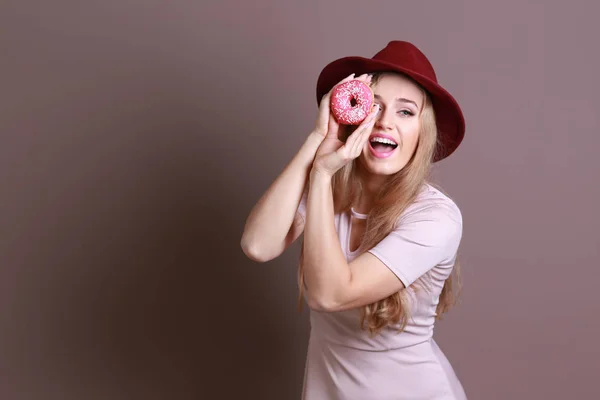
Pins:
x,y
271,218
324,264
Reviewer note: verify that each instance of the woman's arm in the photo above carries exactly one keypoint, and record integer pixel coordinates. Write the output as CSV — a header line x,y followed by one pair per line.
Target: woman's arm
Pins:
x,y
273,224
324,265
331,283
425,239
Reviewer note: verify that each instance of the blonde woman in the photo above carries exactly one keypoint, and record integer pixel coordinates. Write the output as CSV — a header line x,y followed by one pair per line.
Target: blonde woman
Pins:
x,y
380,243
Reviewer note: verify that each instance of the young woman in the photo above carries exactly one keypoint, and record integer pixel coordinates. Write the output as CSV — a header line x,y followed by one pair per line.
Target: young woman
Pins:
x,y
380,242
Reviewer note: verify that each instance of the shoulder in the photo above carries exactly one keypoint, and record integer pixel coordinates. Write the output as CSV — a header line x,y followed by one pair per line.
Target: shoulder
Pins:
x,y
427,234
432,200
435,210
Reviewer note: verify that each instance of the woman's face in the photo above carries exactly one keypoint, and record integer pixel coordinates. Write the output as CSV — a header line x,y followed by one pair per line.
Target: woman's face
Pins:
x,y
395,134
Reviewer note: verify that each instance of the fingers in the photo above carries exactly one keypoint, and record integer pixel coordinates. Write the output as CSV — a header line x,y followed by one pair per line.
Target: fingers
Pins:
x,y
366,78
357,140
346,79
366,129
333,127
353,147
323,116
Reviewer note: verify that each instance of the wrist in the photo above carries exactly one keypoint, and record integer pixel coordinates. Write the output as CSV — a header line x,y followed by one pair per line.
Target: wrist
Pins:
x,y
314,140
319,176
309,149
311,145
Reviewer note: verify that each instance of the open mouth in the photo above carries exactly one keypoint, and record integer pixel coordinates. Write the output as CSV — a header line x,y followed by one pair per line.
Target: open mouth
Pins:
x,y
382,147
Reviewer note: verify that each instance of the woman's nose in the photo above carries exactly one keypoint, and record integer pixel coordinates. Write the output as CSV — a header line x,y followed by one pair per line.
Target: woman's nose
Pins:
x,y
383,121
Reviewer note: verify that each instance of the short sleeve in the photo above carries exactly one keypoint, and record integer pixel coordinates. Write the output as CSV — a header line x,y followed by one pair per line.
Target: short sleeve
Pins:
x,y
426,236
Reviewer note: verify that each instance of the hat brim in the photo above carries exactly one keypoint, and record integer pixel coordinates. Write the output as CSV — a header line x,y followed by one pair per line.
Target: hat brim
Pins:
x,y
449,117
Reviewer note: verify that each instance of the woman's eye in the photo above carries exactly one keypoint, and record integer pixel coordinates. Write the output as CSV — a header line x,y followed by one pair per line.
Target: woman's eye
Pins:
x,y
405,112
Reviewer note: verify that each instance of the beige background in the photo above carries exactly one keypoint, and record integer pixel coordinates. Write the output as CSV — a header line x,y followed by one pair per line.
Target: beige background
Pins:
x,y
136,136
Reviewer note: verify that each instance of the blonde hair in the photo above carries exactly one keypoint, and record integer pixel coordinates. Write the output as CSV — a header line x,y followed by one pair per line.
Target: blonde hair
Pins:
x,y
399,191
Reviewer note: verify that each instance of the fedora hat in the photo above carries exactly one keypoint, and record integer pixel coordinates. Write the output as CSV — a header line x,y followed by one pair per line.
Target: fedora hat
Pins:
x,y
406,58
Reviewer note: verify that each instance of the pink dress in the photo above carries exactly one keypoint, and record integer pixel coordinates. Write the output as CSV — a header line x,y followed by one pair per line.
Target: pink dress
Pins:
x,y
343,362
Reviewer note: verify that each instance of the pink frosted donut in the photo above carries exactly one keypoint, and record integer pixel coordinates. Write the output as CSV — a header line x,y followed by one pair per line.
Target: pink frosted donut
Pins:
x,y
351,102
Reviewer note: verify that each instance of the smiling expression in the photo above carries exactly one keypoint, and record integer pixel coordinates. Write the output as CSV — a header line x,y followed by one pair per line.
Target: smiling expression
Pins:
x,y
395,134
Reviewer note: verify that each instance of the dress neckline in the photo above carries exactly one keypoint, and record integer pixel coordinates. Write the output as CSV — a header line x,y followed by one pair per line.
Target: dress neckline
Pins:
x,y
357,215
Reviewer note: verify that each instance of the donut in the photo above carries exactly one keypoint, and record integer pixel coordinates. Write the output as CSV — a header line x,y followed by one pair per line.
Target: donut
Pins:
x,y
351,102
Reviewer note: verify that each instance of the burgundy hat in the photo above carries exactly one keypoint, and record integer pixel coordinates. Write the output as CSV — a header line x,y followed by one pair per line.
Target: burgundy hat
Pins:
x,y
404,57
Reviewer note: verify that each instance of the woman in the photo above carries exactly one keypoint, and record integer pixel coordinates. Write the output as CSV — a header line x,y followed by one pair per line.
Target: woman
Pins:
x,y
380,243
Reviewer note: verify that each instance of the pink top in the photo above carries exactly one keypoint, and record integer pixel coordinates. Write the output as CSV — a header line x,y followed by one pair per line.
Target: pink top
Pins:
x,y
344,362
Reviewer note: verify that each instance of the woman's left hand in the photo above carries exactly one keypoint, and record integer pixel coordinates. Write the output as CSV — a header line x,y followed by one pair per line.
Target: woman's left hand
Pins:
x,y
333,154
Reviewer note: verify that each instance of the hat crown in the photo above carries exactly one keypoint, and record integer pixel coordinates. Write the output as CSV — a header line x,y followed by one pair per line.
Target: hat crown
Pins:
x,y
408,56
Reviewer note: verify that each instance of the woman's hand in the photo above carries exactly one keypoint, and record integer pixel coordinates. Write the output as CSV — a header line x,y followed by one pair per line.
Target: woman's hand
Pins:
x,y
333,153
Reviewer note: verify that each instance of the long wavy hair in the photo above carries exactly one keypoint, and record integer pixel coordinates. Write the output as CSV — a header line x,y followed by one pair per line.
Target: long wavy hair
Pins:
x,y
398,192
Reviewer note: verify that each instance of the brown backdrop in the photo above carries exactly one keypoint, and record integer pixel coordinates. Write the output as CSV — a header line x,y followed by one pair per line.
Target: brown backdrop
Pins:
x,y
136,136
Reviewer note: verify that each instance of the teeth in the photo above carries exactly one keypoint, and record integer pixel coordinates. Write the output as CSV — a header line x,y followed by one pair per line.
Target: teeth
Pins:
x,y
383,140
